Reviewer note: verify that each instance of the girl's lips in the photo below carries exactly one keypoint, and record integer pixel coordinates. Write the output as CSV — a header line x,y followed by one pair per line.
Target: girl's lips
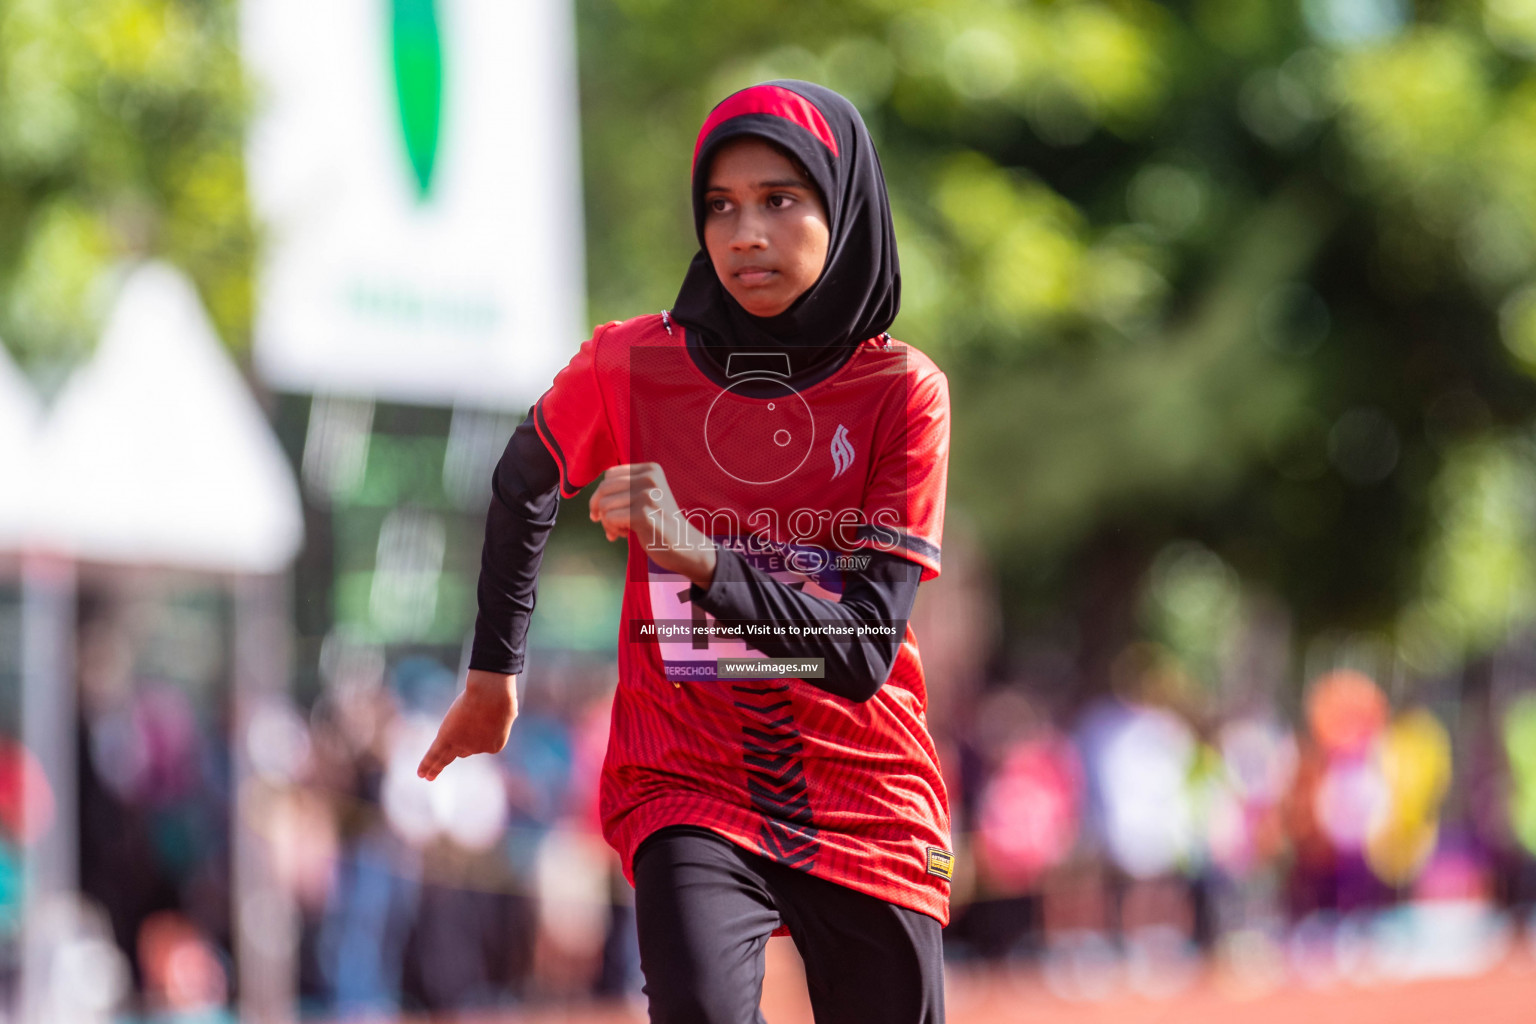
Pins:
x,y
754,275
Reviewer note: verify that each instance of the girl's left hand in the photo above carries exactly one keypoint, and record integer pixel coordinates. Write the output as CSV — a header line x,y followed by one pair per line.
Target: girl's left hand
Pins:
x,y
636,500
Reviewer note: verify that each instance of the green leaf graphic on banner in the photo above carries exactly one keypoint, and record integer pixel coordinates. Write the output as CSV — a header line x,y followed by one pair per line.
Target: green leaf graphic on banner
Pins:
x,y
418,54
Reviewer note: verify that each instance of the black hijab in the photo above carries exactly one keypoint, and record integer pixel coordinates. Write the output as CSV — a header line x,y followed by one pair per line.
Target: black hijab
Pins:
x,y
859,290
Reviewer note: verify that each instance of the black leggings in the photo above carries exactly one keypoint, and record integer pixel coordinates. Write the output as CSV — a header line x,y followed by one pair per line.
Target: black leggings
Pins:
x,y
705,908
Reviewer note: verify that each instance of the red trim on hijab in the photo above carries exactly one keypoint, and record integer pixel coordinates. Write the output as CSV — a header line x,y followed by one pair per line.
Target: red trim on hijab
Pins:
x,y
769,99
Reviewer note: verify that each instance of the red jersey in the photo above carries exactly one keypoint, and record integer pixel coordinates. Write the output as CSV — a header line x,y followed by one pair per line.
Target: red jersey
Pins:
x,y
798,482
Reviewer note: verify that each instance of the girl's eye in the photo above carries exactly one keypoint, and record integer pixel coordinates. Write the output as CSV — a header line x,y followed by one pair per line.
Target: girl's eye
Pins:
x,y
716,206
778,202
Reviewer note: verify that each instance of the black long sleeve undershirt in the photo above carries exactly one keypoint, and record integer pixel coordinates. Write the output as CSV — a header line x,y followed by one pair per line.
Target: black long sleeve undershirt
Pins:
x,y
525,499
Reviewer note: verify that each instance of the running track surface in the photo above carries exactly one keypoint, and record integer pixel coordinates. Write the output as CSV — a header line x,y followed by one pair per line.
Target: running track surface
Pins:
x,y
1507,995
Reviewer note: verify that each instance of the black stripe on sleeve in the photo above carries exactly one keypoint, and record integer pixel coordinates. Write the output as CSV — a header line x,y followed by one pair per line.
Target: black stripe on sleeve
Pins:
x,y
567,489
891,538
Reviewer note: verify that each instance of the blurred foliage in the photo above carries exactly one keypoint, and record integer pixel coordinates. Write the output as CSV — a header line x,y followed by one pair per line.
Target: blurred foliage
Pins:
x,y
1192,605
1255,279
121,136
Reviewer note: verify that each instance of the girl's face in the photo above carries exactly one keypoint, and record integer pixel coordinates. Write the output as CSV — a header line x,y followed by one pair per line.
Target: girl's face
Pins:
x,y
764,226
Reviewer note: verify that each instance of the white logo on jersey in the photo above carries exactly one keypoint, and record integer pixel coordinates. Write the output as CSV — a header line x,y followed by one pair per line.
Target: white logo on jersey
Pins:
x,y
842,451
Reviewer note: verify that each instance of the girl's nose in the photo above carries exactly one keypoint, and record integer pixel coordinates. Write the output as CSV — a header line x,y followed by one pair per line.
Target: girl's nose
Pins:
x,y
749,232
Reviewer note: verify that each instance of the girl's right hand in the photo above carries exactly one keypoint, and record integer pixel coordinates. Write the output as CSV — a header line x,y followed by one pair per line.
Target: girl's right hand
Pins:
x,y
478,722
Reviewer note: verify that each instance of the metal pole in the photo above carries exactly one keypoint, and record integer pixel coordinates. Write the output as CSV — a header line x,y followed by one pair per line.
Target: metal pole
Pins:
x,y
51,862
266,916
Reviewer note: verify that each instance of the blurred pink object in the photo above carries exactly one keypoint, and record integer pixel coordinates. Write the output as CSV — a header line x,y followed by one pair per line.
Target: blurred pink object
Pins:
x,y
26,799
181,969
1030,812
1452,874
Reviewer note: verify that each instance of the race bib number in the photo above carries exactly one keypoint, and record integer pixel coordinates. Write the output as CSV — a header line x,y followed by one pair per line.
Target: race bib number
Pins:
x,y
689,638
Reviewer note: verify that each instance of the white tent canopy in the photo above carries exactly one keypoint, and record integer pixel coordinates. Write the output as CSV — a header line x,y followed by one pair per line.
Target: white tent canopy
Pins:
x,y
157,454
20,415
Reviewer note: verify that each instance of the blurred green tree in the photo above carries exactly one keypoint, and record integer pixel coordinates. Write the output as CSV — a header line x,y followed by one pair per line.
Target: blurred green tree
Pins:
x,y
121,135
1255,274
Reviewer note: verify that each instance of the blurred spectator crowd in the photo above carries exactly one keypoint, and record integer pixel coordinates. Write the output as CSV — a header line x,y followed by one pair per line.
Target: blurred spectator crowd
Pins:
x,y
1135,840
1146,836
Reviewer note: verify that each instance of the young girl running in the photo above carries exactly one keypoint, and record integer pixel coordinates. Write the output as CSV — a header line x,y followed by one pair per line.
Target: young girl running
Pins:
x,y
776,462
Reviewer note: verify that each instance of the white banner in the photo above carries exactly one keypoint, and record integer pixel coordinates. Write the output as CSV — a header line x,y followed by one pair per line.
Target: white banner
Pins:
x,y
415,167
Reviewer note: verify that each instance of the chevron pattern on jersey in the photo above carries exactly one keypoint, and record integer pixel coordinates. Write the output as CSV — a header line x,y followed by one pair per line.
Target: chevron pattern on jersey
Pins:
x,y
771,750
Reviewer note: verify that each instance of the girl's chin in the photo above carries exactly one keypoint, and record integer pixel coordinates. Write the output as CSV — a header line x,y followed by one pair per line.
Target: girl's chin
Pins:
x,y
762,306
